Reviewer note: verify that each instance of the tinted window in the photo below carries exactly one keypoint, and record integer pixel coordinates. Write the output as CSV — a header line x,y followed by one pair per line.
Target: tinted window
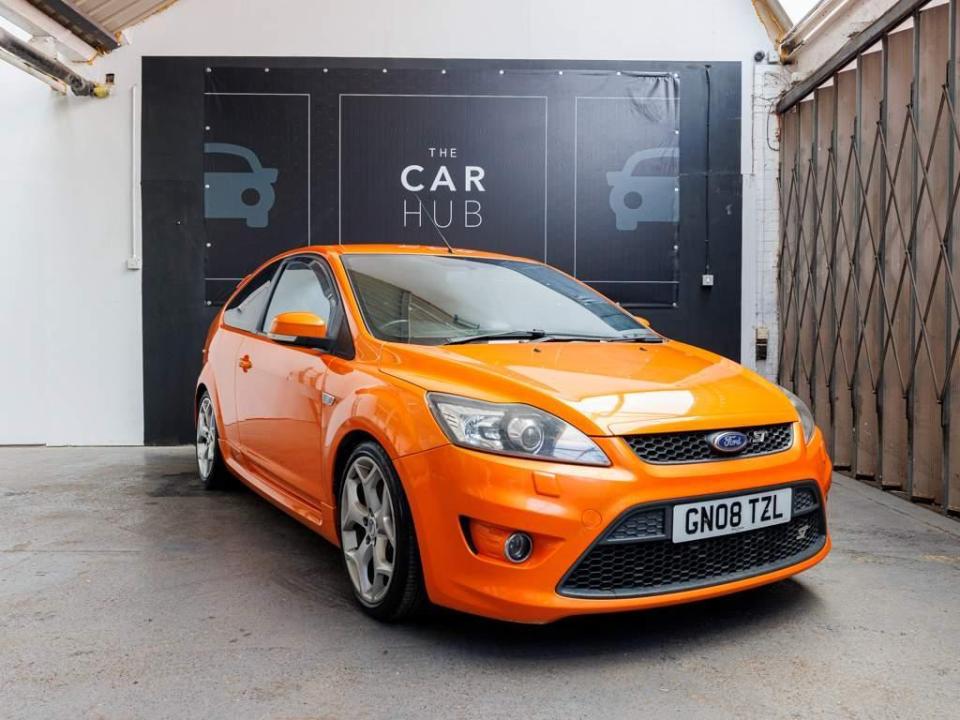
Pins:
x,y
245,309
304,286
431,299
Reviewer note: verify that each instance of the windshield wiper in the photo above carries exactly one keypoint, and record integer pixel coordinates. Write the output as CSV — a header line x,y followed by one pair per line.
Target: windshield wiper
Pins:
x,y
546,337
564,337
572,337
508,335
642,339
551,337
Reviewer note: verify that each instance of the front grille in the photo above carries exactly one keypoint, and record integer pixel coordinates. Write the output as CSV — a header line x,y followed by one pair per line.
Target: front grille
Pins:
x,y
691,447
628,562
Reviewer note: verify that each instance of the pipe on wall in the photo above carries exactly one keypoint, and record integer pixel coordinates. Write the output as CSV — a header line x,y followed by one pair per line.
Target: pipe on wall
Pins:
x,y
56,85
25,57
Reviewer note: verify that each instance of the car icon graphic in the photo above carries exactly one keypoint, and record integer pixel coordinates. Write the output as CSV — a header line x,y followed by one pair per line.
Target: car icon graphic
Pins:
x,y
645,198
243,195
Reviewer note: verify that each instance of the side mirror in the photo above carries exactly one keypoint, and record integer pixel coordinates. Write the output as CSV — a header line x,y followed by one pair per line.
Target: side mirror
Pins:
x,y
305,328
642,320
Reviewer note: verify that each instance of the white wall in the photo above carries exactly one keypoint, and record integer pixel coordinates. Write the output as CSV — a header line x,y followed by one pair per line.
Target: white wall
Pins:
x,y
74,373
21,296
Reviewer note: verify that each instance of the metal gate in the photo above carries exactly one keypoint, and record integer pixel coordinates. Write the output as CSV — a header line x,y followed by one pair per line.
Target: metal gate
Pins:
x,y
869,269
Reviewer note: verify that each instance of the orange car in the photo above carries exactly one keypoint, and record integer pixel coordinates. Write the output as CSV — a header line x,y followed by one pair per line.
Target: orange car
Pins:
x,y
491,435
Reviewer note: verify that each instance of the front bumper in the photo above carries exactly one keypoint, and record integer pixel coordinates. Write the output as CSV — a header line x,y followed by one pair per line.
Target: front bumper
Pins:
x,y
567,508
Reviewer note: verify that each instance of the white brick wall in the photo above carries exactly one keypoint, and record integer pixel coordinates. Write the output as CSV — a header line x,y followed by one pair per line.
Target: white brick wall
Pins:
x,y
761,208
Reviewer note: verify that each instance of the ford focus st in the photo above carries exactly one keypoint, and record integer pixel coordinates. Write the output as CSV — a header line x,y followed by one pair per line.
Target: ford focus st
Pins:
x,y
488,434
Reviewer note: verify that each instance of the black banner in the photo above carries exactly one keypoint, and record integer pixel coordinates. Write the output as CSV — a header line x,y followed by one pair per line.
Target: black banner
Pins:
x,y
483,155
572,162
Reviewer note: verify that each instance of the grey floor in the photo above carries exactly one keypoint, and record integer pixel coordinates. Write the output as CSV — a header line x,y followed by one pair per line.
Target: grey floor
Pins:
x,y
128,592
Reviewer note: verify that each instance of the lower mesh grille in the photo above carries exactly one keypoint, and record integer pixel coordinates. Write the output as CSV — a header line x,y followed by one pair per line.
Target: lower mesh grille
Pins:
x,y
627,562
804,499
640,524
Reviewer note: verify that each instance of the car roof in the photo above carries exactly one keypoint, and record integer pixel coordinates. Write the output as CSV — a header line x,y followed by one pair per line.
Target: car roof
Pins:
x,y
389,249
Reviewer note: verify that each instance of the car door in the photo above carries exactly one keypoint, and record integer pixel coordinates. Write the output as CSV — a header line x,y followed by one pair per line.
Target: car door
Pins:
x,y
279,387
241,318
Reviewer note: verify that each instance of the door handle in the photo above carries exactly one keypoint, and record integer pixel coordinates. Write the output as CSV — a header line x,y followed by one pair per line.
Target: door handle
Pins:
x,y
245,363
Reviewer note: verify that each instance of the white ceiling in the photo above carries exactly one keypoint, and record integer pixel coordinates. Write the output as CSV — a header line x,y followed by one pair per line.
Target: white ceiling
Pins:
x,y
115,15
796,9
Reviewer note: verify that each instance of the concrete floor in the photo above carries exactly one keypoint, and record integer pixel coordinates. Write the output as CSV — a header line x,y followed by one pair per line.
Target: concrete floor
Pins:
x,y
126,591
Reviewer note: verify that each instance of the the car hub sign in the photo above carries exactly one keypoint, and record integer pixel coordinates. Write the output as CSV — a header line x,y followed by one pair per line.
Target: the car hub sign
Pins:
x,y
580,169
475,164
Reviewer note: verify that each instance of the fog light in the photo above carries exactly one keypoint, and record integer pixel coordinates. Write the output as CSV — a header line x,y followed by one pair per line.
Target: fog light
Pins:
x,y
518,547
495,541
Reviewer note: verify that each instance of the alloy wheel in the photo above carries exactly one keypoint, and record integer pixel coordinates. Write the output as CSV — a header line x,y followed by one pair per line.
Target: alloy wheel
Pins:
x,y
367,529
206,438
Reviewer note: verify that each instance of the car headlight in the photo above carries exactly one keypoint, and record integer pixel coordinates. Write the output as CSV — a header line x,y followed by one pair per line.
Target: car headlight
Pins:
x,y
512,429
806,417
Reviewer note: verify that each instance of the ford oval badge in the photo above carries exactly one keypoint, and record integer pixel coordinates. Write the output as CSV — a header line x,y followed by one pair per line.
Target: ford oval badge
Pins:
x,y
728,442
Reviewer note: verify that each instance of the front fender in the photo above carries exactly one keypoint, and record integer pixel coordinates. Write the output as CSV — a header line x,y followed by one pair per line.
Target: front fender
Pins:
x,y
390,410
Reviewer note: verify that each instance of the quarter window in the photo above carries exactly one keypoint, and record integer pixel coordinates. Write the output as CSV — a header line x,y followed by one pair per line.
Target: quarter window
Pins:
x,y
244,310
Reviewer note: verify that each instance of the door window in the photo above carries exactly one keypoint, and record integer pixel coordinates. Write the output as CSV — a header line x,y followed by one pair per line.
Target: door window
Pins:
x,y
304,286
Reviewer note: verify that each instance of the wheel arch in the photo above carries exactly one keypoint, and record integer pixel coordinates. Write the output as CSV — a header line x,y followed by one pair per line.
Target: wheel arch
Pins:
x,y
201,389
207,383
345,447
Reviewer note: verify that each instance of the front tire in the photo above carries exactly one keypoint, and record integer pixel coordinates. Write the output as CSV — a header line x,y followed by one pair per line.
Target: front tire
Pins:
x,y
377,538
210,466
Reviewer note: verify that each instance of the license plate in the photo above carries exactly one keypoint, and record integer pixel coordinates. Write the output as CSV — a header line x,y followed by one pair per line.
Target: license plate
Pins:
x,y
725,516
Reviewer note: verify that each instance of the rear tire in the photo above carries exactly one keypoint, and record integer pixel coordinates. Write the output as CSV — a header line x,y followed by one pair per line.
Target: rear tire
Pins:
x,y
378,542
210,466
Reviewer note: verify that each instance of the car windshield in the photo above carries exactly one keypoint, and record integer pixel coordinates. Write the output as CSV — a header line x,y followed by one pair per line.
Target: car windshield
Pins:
x,y
439,299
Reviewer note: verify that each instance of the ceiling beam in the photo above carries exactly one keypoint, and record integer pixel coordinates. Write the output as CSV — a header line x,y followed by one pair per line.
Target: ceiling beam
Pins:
x,y
817,14
79,24
850,51
773,18
24,15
